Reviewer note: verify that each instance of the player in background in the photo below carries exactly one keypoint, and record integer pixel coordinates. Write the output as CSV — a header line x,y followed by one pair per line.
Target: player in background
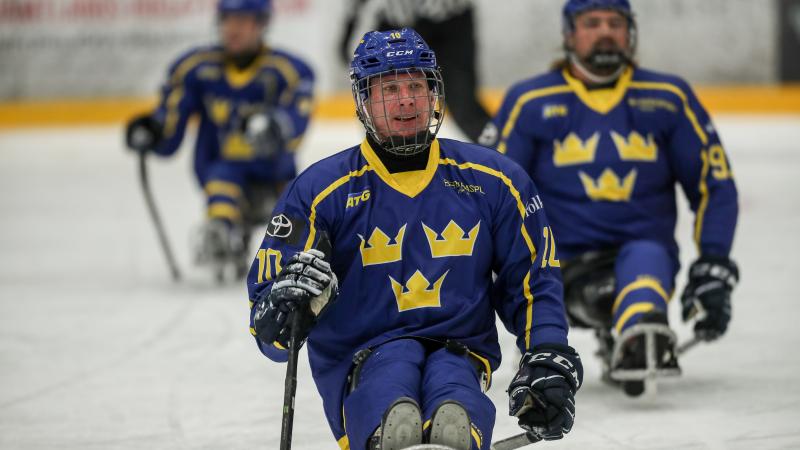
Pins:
x,y
607,142
449,27
253,104
417,226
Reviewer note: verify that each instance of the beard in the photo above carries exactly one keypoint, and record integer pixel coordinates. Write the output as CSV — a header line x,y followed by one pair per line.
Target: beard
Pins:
x,y
606,58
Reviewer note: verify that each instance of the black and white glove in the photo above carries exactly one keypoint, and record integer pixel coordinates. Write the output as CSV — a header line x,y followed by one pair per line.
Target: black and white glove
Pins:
x,y
264,133
708,295
143,133
542,393
306,285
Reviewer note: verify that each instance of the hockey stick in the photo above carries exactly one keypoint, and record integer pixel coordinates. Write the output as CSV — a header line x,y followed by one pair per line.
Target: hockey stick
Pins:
x,y
686,346
516,441
151,207
290,385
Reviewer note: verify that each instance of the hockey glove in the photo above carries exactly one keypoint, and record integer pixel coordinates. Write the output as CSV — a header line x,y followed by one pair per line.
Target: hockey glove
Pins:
x,y
305,286
264,134
143,133
542,393
708,295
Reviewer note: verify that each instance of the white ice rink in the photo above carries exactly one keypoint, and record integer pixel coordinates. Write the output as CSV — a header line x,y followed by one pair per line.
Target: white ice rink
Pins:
x,y
100,350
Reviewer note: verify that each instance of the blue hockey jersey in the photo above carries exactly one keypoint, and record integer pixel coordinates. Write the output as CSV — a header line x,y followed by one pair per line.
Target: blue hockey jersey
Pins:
x,y
607,161
415,253
202,82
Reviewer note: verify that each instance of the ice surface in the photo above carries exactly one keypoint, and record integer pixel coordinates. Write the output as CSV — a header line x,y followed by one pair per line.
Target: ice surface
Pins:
x,y
100,350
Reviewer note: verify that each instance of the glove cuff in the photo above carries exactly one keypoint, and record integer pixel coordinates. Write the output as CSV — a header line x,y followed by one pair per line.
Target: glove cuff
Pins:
x,y
719,267
559,357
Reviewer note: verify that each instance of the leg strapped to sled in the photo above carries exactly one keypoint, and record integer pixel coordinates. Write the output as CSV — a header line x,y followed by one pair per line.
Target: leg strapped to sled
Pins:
x,y
643,353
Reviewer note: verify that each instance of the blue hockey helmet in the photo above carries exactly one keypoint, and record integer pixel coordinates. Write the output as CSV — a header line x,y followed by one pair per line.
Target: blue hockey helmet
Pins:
x,y
574,7
261,8
382,56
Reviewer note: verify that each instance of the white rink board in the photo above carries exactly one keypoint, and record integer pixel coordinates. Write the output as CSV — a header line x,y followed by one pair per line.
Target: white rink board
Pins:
x,y
100,350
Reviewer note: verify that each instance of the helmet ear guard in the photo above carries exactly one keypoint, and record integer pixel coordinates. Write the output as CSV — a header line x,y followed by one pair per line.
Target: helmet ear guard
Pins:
x,y
384,58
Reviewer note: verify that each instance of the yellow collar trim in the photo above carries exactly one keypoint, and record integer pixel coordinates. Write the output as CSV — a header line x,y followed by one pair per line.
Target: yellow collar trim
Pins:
x,y
410,186
600,100
238,78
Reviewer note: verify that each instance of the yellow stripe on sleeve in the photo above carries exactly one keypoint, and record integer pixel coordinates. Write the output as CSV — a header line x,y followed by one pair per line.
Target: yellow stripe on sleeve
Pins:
x,y
521,101
528,241
322,195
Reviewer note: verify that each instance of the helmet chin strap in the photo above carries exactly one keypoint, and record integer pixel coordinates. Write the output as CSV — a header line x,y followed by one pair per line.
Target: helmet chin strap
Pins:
x,y
591,76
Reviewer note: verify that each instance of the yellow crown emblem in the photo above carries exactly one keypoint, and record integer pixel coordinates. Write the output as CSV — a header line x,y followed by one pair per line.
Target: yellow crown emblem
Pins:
x,y
609,187
220,111
380,251
574,151
418,293
635,148
453,242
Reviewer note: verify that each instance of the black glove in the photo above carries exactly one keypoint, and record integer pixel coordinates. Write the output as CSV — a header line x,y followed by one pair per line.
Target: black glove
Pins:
x,y
305,286
143,133
264,134
542,393
708,293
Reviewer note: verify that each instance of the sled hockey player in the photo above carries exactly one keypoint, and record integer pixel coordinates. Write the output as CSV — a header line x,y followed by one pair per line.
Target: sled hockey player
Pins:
x,y
606,143
400,306
253,104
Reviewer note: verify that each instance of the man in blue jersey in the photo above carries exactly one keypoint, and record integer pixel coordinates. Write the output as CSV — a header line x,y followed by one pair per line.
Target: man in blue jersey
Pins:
x,y
388,249
253,103
607,142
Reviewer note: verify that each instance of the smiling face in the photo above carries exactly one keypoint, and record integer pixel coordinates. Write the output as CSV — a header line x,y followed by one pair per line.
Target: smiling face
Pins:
x,y
400,104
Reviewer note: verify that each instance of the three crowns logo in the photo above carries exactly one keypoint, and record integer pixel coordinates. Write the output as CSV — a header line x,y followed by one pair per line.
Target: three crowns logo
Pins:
x,y
380,251
608,186
572,150
452,242
635,147
418,292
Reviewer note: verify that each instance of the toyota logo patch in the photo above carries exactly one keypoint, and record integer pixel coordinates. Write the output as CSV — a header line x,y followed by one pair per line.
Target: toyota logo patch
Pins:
x,y
280,227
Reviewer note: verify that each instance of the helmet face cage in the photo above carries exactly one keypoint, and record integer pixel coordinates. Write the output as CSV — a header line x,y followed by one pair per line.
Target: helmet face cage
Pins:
x,y
401,109
573,8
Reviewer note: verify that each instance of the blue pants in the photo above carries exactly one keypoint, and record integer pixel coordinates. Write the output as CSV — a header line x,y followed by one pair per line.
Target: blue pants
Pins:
x,y
225,184
403,368
645,274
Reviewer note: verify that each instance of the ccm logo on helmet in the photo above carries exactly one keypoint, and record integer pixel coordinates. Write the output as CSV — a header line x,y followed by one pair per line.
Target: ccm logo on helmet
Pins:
x,y
400,53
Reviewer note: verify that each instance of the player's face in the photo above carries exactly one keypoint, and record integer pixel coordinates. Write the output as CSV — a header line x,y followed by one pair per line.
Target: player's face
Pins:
x,y
241,33
599,31
400,104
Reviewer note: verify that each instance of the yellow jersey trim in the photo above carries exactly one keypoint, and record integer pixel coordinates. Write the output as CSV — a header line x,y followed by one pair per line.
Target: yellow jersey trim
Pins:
x,y
601,100
285,67
409,186
326,192
191,62
701,208
238,78
526,289
344,443
643,282
517,109
661,86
